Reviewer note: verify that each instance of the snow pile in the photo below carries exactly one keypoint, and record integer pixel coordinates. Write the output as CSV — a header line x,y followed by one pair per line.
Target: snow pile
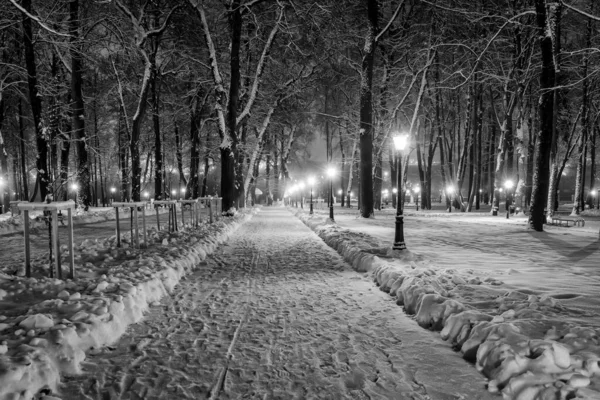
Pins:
x,y
47,325
520,342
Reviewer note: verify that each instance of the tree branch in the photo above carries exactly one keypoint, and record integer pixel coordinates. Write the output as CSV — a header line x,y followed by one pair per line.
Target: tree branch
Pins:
x,y
577,11
389,24
260,69
36,19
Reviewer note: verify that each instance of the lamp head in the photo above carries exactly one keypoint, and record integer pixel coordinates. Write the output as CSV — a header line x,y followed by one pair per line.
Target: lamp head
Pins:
x,y
331,172
400,141
417,189
508,184
450,189
311,181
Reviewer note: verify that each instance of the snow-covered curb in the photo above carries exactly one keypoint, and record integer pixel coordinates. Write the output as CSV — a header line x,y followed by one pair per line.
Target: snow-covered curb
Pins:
x,y
91,312
516,340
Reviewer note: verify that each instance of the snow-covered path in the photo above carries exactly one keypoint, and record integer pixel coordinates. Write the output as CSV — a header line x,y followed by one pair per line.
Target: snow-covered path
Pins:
x,y
276,313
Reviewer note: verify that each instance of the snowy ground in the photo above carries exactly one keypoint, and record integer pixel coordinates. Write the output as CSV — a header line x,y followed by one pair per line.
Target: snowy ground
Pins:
x,y
276,314
521,305
47,326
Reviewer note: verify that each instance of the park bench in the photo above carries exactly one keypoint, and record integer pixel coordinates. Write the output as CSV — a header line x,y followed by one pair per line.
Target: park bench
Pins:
x,y
560,220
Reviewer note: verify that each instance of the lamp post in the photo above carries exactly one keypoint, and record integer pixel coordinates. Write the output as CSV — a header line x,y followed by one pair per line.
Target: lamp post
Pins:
x,y
417,189
594,194
182,193
400,143
331,174
112,194
173,193
449,191
508,185
311,183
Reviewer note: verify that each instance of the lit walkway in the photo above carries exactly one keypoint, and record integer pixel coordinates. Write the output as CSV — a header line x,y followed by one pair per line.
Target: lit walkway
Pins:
x,y
276,314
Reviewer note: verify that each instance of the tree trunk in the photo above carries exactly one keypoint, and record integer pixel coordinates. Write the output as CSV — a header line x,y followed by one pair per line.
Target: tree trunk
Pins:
x,y
541,172
366,113
343,167
35,100
5,189
491,158
158,145
229,146
350,171
77,106
23,154
178,154
579,201
204,187
123,160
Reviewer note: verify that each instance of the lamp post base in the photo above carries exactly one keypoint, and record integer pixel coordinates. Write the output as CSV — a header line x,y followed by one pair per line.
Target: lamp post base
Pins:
x,y
331,213
311,208
399,246
399,233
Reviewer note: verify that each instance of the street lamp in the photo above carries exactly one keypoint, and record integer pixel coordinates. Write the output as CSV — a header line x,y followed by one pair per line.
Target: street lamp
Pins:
x,y
74,188
449,191
173,193
331,174
112,194
508,185
594,194
182,191
417,189
311,183
400,142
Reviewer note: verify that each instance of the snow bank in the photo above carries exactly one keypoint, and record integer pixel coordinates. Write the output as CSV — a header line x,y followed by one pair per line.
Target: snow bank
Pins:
x,y
517,340
114,287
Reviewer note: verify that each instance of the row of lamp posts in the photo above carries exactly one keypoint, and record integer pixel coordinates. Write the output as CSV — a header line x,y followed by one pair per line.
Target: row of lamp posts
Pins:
x,y
311,183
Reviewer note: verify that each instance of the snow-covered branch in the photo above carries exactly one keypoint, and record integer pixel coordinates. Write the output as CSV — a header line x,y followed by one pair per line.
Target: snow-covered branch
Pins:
x,y
390,22
577,10
260,67
217,78
36,19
